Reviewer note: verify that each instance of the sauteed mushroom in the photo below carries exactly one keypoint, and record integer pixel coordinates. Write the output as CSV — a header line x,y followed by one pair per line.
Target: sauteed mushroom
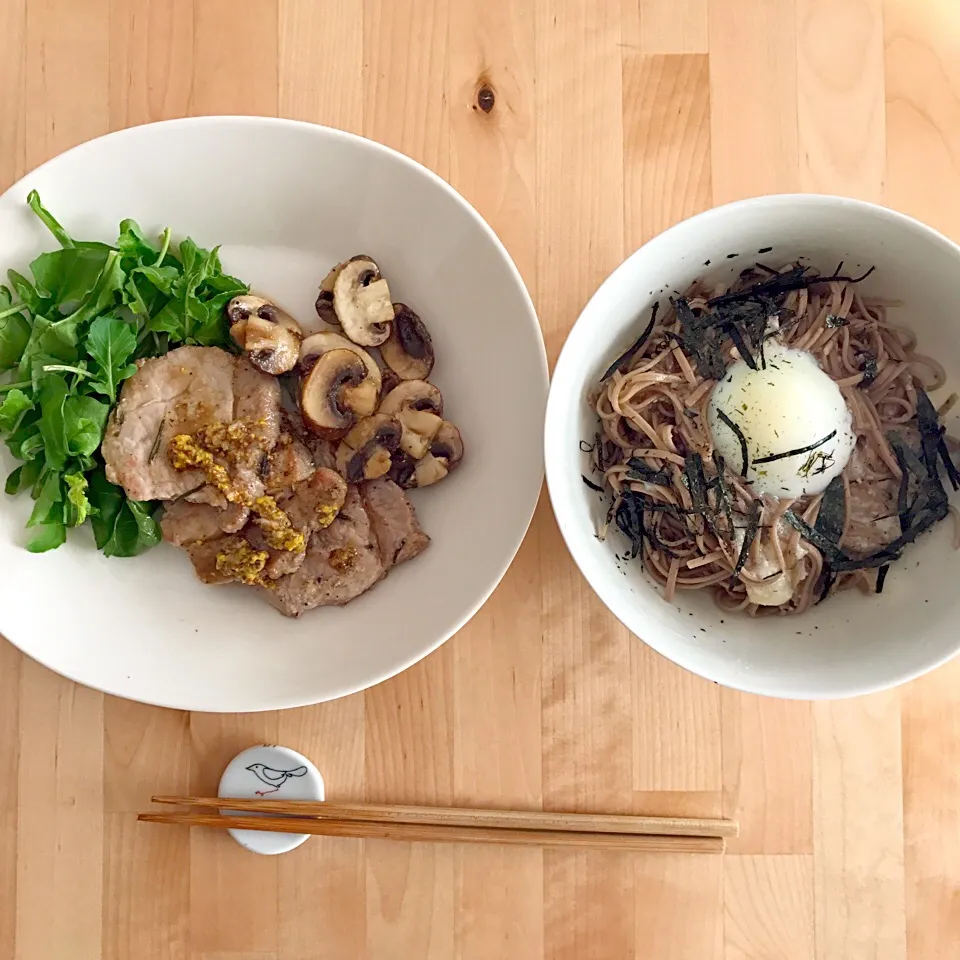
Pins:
x,y
269,336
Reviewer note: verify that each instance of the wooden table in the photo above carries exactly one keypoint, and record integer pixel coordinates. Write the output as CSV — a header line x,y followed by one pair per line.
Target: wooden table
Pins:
x,y
599,125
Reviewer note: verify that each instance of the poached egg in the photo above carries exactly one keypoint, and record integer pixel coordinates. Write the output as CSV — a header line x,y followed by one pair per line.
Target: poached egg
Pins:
x,y
792,419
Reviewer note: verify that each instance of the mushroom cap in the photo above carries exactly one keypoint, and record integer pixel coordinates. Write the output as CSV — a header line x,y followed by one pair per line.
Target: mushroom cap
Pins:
x,y
444,455
418,406
448,445
361,298
331,392
317,344
324,304
269,336
409,349
414,394
366,452
362,398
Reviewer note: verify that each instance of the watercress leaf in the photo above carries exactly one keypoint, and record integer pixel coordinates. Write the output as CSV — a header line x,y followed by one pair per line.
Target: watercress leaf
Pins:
x,y
110,342
78,506
48,219
48,536
12,406
84,421
53,391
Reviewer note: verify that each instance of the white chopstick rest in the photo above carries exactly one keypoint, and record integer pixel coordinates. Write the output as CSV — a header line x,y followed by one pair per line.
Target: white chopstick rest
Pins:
x,y
277,773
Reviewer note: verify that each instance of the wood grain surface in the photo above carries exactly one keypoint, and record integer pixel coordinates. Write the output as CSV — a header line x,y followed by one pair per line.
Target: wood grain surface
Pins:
x,y
609,121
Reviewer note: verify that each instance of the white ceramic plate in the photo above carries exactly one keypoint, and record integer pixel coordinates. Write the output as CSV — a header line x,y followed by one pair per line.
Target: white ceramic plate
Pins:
x,y
851,644
287,200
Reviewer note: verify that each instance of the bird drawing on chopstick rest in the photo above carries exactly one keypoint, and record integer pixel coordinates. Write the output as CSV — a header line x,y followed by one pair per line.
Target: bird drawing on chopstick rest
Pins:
x,y
274,779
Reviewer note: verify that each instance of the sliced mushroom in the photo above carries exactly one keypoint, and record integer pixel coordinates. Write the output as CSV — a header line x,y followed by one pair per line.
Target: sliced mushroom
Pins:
x,y
334,391
418,406
316,345
324,302
361,299
269,336
409,349
365,453
446,452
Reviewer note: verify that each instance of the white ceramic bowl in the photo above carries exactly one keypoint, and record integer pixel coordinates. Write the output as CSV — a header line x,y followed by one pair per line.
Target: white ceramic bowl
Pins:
x,y
851,644
287,200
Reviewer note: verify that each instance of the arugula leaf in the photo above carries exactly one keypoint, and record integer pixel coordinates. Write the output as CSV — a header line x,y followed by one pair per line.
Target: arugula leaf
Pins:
x,y
121,527
13,406
84,420
26,291
48,219
49,536
70,275
49,505
132,244
110,343
53,395
14,331
26,475
103,295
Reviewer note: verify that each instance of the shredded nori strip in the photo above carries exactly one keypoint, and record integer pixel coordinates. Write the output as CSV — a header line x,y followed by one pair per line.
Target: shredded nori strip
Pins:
x,y
795,279
741,439
830,550
881,576
797,452
629,517
829,524
723,491
932,438
591,484
833,512
749,535
833,321
628,355
641,470
737,337
696,482
701,340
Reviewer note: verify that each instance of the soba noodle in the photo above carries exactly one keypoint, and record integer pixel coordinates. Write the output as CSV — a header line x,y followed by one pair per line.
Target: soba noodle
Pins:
x,y
654,414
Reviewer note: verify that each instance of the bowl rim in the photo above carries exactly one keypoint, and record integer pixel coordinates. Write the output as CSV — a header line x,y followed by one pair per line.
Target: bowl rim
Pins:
x,y
622,610
528,309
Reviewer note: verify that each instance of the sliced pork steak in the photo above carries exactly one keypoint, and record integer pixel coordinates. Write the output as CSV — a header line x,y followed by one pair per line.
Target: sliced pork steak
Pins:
x,y
189,388
184,523
398,532
342,561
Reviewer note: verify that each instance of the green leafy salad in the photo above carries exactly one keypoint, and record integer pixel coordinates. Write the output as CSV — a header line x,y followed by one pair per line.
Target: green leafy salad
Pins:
x,y
69,337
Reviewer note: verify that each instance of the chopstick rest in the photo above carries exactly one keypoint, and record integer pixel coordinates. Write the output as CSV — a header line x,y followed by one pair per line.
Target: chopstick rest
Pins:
x,y
272,772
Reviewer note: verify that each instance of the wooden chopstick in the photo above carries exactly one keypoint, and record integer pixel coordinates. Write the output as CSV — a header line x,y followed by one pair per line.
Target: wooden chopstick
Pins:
x,y
444,833
466,817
